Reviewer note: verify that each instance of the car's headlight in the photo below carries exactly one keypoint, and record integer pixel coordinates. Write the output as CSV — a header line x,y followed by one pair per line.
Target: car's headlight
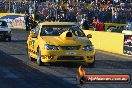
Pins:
x,y
50,47
89,48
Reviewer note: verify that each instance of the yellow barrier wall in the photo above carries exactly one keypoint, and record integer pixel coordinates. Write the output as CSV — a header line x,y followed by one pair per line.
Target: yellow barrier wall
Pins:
x,y
4,14
107,41
113,24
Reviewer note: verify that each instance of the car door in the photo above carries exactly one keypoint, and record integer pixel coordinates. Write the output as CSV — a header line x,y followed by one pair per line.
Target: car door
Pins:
x,y
33,41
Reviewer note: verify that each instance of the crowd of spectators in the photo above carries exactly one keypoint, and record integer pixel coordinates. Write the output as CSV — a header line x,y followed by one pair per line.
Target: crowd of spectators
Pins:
x,y
104,10
15,6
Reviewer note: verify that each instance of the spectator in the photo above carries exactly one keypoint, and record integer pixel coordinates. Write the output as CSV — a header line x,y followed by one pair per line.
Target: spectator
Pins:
x,y
26,18
85,23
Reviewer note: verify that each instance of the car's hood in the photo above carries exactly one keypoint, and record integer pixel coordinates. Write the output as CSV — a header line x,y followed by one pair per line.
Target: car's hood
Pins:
x,y
57,40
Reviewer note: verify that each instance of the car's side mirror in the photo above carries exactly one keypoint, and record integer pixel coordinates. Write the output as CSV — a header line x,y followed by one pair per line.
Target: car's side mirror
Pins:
x,y
89,36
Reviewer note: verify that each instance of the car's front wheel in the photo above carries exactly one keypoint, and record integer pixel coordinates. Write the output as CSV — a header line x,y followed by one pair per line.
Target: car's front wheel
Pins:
x,y
9,39
91,64
39,62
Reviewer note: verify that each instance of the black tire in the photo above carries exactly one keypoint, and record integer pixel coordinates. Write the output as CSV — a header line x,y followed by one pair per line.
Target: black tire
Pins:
x,y
91,64
4,39
9,39
39,62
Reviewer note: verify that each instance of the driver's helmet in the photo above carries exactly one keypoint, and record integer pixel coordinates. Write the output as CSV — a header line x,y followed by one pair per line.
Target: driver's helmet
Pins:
x,y
49,30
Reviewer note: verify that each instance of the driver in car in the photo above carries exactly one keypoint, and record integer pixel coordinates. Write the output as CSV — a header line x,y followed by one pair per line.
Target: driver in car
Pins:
x,y
47,31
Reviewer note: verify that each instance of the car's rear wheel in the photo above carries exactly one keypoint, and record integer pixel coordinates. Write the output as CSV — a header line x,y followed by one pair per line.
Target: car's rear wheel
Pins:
x,y
39,62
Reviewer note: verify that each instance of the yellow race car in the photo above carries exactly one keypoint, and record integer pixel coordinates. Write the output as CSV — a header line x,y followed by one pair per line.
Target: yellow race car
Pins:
x,y
59,42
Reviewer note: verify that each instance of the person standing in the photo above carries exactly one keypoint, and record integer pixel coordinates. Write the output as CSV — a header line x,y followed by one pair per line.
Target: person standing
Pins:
x,y
115,16
85,23
26,18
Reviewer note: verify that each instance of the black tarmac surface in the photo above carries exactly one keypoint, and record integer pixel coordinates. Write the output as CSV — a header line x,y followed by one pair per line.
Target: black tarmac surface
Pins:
x,y
16,71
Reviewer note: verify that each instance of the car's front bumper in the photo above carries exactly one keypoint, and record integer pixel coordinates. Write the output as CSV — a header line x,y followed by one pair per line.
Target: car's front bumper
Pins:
x,y
67,56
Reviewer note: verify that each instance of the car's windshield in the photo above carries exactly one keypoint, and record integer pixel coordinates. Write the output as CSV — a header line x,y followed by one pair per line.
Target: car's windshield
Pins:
x,y
3,23
58,30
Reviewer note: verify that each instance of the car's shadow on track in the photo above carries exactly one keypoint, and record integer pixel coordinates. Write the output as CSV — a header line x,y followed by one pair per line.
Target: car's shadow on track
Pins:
x,y
66,64
101,64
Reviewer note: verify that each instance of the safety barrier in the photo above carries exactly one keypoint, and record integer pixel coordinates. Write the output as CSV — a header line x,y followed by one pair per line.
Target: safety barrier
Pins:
x,y
107,41
13,20
109,25
115,25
